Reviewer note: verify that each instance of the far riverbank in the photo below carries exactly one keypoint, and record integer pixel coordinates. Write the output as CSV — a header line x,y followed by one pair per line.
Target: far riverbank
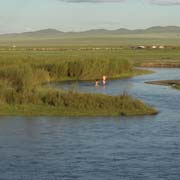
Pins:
x,y
172,83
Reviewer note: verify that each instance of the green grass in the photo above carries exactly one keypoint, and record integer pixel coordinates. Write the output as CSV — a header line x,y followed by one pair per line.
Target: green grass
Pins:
x,y
24,70
93,40
177,86
22,73
75,104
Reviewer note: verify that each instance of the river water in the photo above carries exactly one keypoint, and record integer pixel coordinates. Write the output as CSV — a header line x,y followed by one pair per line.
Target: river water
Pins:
x,y
102,148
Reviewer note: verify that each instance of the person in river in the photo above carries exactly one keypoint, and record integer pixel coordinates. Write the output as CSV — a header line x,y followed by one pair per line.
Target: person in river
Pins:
x,y
97,83
104,78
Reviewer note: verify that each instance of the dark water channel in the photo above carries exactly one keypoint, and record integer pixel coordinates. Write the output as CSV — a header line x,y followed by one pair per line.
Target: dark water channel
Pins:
x,y
103,148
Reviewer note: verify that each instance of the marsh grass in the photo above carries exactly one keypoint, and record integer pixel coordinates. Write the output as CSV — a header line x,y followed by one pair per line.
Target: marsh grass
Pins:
x,y
76,104
22,75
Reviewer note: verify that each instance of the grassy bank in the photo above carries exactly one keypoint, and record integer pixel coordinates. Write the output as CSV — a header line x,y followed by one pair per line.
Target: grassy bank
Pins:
x,y
22,74
177,86
42,67
76,104
173,83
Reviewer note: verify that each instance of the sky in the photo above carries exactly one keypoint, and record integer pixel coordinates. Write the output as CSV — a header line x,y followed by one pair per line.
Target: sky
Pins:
x,y
80,15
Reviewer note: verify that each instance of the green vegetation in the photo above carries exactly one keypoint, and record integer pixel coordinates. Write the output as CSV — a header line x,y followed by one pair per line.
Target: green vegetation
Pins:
x,y
22,74
29,60
177,86
63,65
54,102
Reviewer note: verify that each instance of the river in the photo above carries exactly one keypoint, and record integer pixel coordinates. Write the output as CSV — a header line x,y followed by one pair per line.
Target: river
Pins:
x,y
102,148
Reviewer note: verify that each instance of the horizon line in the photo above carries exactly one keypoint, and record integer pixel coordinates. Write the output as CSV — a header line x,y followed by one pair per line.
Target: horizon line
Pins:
x,y
92,29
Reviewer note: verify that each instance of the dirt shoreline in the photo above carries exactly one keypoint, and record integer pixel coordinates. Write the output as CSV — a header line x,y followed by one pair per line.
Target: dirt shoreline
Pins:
x,y
161,65
172,83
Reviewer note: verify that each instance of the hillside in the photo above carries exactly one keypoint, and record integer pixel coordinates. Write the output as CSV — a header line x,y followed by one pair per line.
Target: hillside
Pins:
x,y
52,32
169,35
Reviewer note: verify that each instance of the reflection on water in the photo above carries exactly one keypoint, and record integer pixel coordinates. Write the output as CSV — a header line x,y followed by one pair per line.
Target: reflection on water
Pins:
x,y
103,148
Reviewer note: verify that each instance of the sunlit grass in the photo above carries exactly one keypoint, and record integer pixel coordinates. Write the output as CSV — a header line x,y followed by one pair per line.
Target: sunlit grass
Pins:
x,y
22,74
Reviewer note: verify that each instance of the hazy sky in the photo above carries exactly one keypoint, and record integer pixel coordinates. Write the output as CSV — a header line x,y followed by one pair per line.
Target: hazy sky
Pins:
x,y
78,15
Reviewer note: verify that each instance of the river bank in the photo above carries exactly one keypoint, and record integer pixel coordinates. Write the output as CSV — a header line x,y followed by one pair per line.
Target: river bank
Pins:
x,y
161,64
58,103
172,83
23,73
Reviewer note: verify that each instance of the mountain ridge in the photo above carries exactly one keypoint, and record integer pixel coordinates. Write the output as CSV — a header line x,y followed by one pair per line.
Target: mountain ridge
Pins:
x,y
55,32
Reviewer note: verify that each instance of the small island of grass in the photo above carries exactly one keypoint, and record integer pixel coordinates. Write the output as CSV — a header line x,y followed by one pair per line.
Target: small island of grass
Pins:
x,y
172,83
53,102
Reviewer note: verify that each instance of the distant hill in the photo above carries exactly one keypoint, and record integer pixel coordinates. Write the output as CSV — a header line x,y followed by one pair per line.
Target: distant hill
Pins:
x,y
154,29
167,29
43,32
157,35
121,31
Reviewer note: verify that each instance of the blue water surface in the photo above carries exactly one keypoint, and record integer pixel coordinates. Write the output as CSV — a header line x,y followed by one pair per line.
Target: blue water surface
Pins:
x,y
102,148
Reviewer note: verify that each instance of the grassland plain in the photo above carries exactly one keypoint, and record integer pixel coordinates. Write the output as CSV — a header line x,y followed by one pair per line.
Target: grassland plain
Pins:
x,y
22,73
90,39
